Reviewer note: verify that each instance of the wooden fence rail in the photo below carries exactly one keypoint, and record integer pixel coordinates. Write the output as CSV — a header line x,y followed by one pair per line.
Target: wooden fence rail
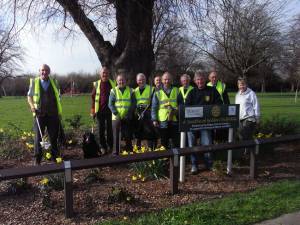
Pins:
x,y
173,154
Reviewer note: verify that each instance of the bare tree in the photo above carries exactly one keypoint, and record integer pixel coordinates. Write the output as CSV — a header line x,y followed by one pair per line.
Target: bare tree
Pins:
x,y
292,54
238,34
120,31
10,52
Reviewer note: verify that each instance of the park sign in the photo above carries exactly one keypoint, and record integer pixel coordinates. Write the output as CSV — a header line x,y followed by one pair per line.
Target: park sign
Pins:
x,y
201,117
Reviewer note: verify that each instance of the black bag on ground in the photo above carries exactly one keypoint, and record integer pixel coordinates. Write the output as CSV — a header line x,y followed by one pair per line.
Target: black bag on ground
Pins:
x,y
89,146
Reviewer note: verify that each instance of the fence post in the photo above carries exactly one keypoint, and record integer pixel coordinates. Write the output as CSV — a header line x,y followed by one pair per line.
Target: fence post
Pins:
x,y
182,158
174,164
253,164
68,190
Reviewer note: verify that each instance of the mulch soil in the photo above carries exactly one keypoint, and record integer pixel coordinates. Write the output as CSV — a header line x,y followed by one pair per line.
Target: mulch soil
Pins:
x,y
91,203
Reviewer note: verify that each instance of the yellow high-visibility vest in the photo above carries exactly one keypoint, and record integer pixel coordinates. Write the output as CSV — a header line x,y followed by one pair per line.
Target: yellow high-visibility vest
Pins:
x,y
97,87
165,103
145,97
219,86
184,95
123,101
37,93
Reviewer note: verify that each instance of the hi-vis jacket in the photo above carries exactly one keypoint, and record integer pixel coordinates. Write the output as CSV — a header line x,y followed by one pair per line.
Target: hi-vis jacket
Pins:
x,y
35,83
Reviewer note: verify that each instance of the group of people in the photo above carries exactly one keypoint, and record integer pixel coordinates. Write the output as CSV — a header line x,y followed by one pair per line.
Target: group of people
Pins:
x,y
148,112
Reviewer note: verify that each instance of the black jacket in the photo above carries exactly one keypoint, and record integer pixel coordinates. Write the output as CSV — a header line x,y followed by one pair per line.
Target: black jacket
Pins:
x,y
205,96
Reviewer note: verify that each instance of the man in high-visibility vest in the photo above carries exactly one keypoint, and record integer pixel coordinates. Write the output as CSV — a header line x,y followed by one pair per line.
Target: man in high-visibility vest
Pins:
x,y
144,127
219,85
184,91
44,100
203,95
157,82
101,111
164,111
122,104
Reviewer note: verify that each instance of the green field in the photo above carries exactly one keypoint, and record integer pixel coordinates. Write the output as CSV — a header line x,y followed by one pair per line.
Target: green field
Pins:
x,y
14,110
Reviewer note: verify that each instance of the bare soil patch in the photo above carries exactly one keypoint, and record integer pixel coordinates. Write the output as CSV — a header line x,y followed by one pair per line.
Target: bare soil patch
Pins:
x,y
91,202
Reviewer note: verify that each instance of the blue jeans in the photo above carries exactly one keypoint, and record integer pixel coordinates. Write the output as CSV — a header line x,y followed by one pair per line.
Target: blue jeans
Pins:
x,y
206,139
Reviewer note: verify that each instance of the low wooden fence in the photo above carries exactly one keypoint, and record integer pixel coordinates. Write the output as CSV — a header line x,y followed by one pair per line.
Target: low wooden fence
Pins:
x,y
173,154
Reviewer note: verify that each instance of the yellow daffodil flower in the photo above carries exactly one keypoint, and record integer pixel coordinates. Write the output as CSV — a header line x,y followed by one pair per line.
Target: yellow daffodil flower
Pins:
x,y
23,138
135,148
70,141
125,218
44,181
124,153
48,155
140,176
128,199
58,159
143,149
134,178
1,130
162,148
260,135
143,179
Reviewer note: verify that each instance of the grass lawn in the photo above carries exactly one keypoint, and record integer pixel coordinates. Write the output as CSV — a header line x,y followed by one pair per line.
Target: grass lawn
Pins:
x,y
14,110
237,209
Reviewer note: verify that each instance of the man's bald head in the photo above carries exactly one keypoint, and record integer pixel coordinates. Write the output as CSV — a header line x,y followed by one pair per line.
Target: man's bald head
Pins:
x,y
44,71
141,79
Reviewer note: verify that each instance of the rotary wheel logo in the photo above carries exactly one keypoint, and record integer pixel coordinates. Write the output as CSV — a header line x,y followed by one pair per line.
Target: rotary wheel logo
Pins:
x,y
216,111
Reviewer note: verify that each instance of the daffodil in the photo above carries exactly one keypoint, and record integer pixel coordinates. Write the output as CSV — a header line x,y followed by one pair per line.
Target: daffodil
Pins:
x,y
124,153
162,148
268,135
143,179
125,218
70,141
140,176
134,178
58,159
1,130
260,135
135,148
128,199
48,155
44,181
153,162
23,138
143,149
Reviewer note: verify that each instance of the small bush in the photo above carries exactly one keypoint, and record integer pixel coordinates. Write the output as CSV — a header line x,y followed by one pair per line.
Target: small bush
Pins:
x,y
119,195
278,125
75,121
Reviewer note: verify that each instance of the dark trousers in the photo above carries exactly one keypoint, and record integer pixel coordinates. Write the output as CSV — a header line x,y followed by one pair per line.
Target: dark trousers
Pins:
x,y
124,127
52,125
170,132
105,126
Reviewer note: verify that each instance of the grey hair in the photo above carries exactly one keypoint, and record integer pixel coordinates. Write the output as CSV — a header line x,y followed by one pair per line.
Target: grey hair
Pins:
x,y
199,73
242,79
185,76
140,74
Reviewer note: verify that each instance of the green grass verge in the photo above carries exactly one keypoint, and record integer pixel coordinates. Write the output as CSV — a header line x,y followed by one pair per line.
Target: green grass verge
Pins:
x,y
237,209
14,110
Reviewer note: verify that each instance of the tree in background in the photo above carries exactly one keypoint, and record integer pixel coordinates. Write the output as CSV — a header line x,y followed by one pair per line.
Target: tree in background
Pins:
x,y
10,53
238,34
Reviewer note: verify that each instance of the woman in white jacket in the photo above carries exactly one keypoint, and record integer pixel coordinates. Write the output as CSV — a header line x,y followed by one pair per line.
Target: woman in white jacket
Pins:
x,y
249,109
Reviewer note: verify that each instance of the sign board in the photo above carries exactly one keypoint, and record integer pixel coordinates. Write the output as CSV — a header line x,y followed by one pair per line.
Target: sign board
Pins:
x,y
201,117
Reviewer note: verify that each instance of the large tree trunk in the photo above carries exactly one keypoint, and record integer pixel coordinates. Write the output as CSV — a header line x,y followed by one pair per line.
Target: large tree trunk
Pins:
x,y
133,50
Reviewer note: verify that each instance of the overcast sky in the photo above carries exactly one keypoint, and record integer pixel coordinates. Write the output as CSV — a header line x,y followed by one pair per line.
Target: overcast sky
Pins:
x,y
72,55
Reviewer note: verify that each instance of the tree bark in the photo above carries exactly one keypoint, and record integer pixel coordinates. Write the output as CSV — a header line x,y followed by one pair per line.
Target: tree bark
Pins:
x,y
133,50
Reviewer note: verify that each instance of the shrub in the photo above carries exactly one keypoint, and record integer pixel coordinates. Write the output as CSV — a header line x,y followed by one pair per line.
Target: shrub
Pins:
x,y
277,125
118,195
